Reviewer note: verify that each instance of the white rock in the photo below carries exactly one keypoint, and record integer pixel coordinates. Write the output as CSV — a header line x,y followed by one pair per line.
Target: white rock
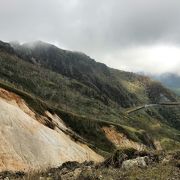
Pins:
x,y
138,162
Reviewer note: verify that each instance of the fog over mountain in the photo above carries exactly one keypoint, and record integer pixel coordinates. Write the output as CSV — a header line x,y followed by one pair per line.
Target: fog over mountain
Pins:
x,y
170,80
130,35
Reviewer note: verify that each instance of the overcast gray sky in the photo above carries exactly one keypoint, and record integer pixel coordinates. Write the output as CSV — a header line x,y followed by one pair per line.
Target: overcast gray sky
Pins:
x,y
134,35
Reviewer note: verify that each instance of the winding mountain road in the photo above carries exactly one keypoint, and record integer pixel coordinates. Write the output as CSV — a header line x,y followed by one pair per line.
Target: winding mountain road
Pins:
x,y
129,111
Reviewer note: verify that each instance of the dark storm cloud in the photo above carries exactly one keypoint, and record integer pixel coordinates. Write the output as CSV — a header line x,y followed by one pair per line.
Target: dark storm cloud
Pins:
x,y
97,27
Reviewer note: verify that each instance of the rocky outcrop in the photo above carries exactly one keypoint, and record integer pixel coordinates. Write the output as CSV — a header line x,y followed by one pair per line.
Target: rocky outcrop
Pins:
x,y
133,163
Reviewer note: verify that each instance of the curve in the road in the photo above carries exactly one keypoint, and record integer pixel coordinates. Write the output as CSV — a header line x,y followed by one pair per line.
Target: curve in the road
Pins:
x,y
129,111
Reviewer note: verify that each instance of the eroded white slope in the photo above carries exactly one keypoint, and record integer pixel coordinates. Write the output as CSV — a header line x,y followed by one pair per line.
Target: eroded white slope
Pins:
x,y
26,144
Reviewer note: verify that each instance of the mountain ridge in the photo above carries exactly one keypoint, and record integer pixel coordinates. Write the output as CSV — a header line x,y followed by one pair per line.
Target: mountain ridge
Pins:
x,y
82,68
89,95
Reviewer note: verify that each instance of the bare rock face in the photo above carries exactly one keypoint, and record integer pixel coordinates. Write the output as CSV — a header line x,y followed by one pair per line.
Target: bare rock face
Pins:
x,y
120,140
26,144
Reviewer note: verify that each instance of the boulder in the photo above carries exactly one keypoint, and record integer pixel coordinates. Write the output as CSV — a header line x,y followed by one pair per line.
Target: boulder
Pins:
x,y
138,162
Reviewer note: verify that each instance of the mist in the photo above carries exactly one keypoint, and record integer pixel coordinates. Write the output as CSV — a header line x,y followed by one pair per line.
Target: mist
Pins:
x,y
130,35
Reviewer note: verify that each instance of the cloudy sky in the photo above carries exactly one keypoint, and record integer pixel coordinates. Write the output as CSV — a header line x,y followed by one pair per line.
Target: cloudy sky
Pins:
x,y
134,35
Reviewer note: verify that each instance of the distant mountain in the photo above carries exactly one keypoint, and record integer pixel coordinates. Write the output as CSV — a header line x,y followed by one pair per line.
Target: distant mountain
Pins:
x,y
170,80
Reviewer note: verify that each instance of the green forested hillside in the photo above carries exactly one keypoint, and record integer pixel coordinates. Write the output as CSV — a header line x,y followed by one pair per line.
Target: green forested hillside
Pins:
x,y
88,95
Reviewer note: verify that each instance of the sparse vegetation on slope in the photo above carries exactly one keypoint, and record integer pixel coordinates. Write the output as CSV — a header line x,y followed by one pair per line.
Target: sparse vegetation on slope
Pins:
x,y
87,95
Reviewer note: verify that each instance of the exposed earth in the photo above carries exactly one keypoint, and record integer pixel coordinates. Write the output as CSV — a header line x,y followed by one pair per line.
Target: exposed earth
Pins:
x,y
27,144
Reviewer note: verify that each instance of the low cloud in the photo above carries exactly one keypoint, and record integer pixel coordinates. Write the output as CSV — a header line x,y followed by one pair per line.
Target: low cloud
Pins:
x,y
120,33
155,59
